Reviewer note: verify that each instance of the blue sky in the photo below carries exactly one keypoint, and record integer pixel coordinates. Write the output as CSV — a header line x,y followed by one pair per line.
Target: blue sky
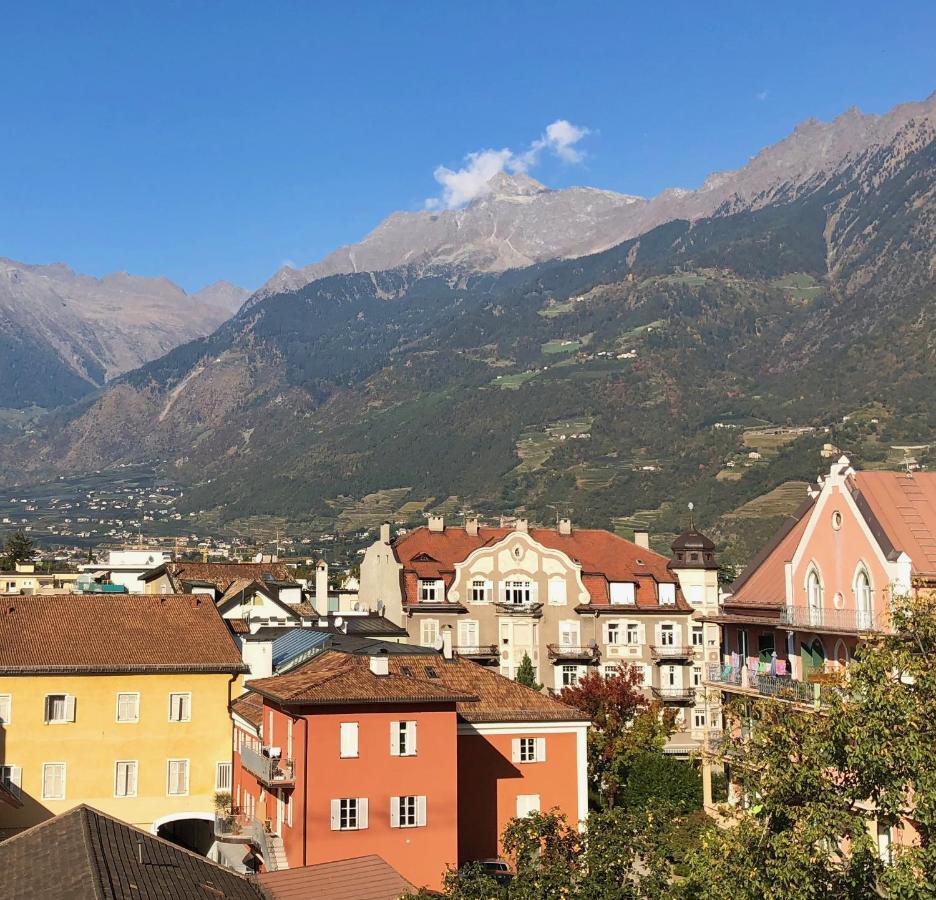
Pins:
x,y
206,140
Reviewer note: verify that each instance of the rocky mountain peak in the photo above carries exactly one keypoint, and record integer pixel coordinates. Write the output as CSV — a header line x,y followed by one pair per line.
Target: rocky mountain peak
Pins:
x,y
518,185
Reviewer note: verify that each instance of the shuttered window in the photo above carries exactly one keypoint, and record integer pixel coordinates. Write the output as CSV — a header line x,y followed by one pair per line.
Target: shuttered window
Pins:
x,y
402,738
128,707
223,776
180,707
348,738
407,812
125,778
528,750
349,814
527,803
53,781
178,773
59,708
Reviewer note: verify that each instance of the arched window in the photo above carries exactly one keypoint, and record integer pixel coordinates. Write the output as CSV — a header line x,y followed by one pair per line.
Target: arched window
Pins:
x,y
814,597
864,599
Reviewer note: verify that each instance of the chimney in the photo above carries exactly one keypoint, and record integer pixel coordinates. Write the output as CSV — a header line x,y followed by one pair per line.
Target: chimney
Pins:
x,y
385,533
436,523
380,663
471,526
321,588
522,525
447,642
642,538
565,526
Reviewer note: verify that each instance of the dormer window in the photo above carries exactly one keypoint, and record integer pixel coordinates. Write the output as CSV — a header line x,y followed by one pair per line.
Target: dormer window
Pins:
x,y
667,594
431,590
622,593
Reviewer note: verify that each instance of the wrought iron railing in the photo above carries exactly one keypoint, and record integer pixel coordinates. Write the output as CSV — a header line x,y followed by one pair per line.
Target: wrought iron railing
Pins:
x,y
530,608
671,651
674,695
476,650
851,621
567,651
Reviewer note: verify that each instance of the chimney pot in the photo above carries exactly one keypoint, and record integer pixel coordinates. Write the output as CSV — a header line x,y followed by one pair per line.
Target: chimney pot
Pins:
x,y
642,538
565,526
522,525
471,527
380,663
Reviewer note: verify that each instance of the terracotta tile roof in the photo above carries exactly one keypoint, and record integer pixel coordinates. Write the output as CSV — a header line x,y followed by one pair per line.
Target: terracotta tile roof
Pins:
x,y
332,677
603,556
114,633
84,853
904,506
481,695
763,582
361,878
249,706
221,575
238,626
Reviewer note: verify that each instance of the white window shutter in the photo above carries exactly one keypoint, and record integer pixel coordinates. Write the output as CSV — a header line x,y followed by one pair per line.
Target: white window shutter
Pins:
x,y
362,812
515,750
394,812
69,708
394,738
336,815
420,810
16,779
47,714
541,749
412,738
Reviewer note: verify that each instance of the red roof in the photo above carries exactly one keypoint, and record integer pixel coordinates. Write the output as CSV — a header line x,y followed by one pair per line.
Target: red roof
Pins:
x,y
603,556
904,505
360,878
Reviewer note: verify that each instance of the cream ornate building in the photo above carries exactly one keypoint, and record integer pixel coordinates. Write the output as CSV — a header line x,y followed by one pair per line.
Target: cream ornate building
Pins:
x,y
574,600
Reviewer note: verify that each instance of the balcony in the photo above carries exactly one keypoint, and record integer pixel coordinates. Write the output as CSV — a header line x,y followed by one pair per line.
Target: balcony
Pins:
x,y
780,687
484,653
670,652
567,652
271,772
674,695
842,621
529,608
237,828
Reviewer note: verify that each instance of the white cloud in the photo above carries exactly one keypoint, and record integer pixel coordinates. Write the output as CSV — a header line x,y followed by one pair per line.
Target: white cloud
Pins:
x,y
463,185
761,96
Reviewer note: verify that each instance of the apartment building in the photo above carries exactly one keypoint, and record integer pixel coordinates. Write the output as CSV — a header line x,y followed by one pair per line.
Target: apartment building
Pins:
x,y
120,702
412,756
796,615
24,579
573,600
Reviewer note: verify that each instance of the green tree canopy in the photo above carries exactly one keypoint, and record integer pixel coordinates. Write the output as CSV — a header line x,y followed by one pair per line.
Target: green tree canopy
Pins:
x,y
526,675
19,548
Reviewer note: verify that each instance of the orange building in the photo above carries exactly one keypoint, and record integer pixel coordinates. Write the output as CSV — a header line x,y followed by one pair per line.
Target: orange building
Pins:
x,y
411,756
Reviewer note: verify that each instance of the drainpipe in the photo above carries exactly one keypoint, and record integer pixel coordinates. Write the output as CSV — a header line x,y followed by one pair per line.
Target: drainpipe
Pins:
x,y
305,788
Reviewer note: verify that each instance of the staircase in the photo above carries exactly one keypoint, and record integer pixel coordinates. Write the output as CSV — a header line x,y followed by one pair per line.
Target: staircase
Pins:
x,y
276,861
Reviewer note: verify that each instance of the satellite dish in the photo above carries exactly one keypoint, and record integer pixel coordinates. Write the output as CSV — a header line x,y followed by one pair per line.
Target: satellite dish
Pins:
x,y
380,607
356,607
338,621
438,643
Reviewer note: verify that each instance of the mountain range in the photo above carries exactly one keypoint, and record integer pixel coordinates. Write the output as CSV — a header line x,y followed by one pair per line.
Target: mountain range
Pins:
x,y
756,315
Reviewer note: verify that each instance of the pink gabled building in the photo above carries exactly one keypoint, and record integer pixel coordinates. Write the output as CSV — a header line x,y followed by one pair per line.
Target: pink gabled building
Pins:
x,y
793,619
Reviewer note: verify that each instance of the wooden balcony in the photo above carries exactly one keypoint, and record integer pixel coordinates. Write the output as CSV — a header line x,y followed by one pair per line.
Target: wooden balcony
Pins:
x,y
270,772
670,653
567,653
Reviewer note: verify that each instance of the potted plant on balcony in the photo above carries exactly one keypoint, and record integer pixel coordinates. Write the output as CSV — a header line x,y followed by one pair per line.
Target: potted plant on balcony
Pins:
x,y
223,809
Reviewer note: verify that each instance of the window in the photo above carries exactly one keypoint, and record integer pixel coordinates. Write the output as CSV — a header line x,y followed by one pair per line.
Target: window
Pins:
x,y
569,633
814,597
528,750
125,778
180,707
402,738
517,592
223,776
613,633
11,777
611,671
698,636
696,594
557,591
177,777
622,592
431,591
128,707
667,594
468,633
348,737
53,781
570,676
480,591
696,676
527,803
407,812
6,709
742,643
633,634
765,646
698,718
667,636
59,708
670,676
349,814
863,601
428,632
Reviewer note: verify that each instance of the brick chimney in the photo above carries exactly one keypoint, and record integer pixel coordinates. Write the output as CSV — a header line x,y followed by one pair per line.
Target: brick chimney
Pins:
x,y
565,526
471,526
642,538
436,523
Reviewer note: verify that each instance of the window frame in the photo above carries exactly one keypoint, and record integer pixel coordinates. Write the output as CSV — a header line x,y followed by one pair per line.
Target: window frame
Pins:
x,y
47,709
8,700
188,717
187,770
667,593
346,728
622,593
136,774
346,812
43,793
230,775
136,718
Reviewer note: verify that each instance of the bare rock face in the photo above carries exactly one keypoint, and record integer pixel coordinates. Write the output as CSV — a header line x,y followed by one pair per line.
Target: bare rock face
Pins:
x,y
93,329
518,221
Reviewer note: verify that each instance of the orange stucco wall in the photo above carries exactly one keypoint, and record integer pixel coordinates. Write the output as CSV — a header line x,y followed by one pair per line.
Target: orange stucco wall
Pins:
x,y
489,783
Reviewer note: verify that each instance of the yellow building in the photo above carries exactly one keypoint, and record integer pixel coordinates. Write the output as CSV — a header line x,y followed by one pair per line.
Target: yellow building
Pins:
x,y
120,702
24,579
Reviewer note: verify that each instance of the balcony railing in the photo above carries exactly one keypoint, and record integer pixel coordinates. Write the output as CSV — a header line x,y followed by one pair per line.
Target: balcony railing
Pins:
x,y
674,695
484,651
782,687
269,771
849,621
529,608
567,651
670,651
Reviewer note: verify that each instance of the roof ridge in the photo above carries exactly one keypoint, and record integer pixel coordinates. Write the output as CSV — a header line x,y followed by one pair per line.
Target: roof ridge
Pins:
x,y
91,856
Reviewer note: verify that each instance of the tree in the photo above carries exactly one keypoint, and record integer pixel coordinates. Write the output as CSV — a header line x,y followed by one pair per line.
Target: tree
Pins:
x,y
19,548
526,675
818,778
655,777
624,726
